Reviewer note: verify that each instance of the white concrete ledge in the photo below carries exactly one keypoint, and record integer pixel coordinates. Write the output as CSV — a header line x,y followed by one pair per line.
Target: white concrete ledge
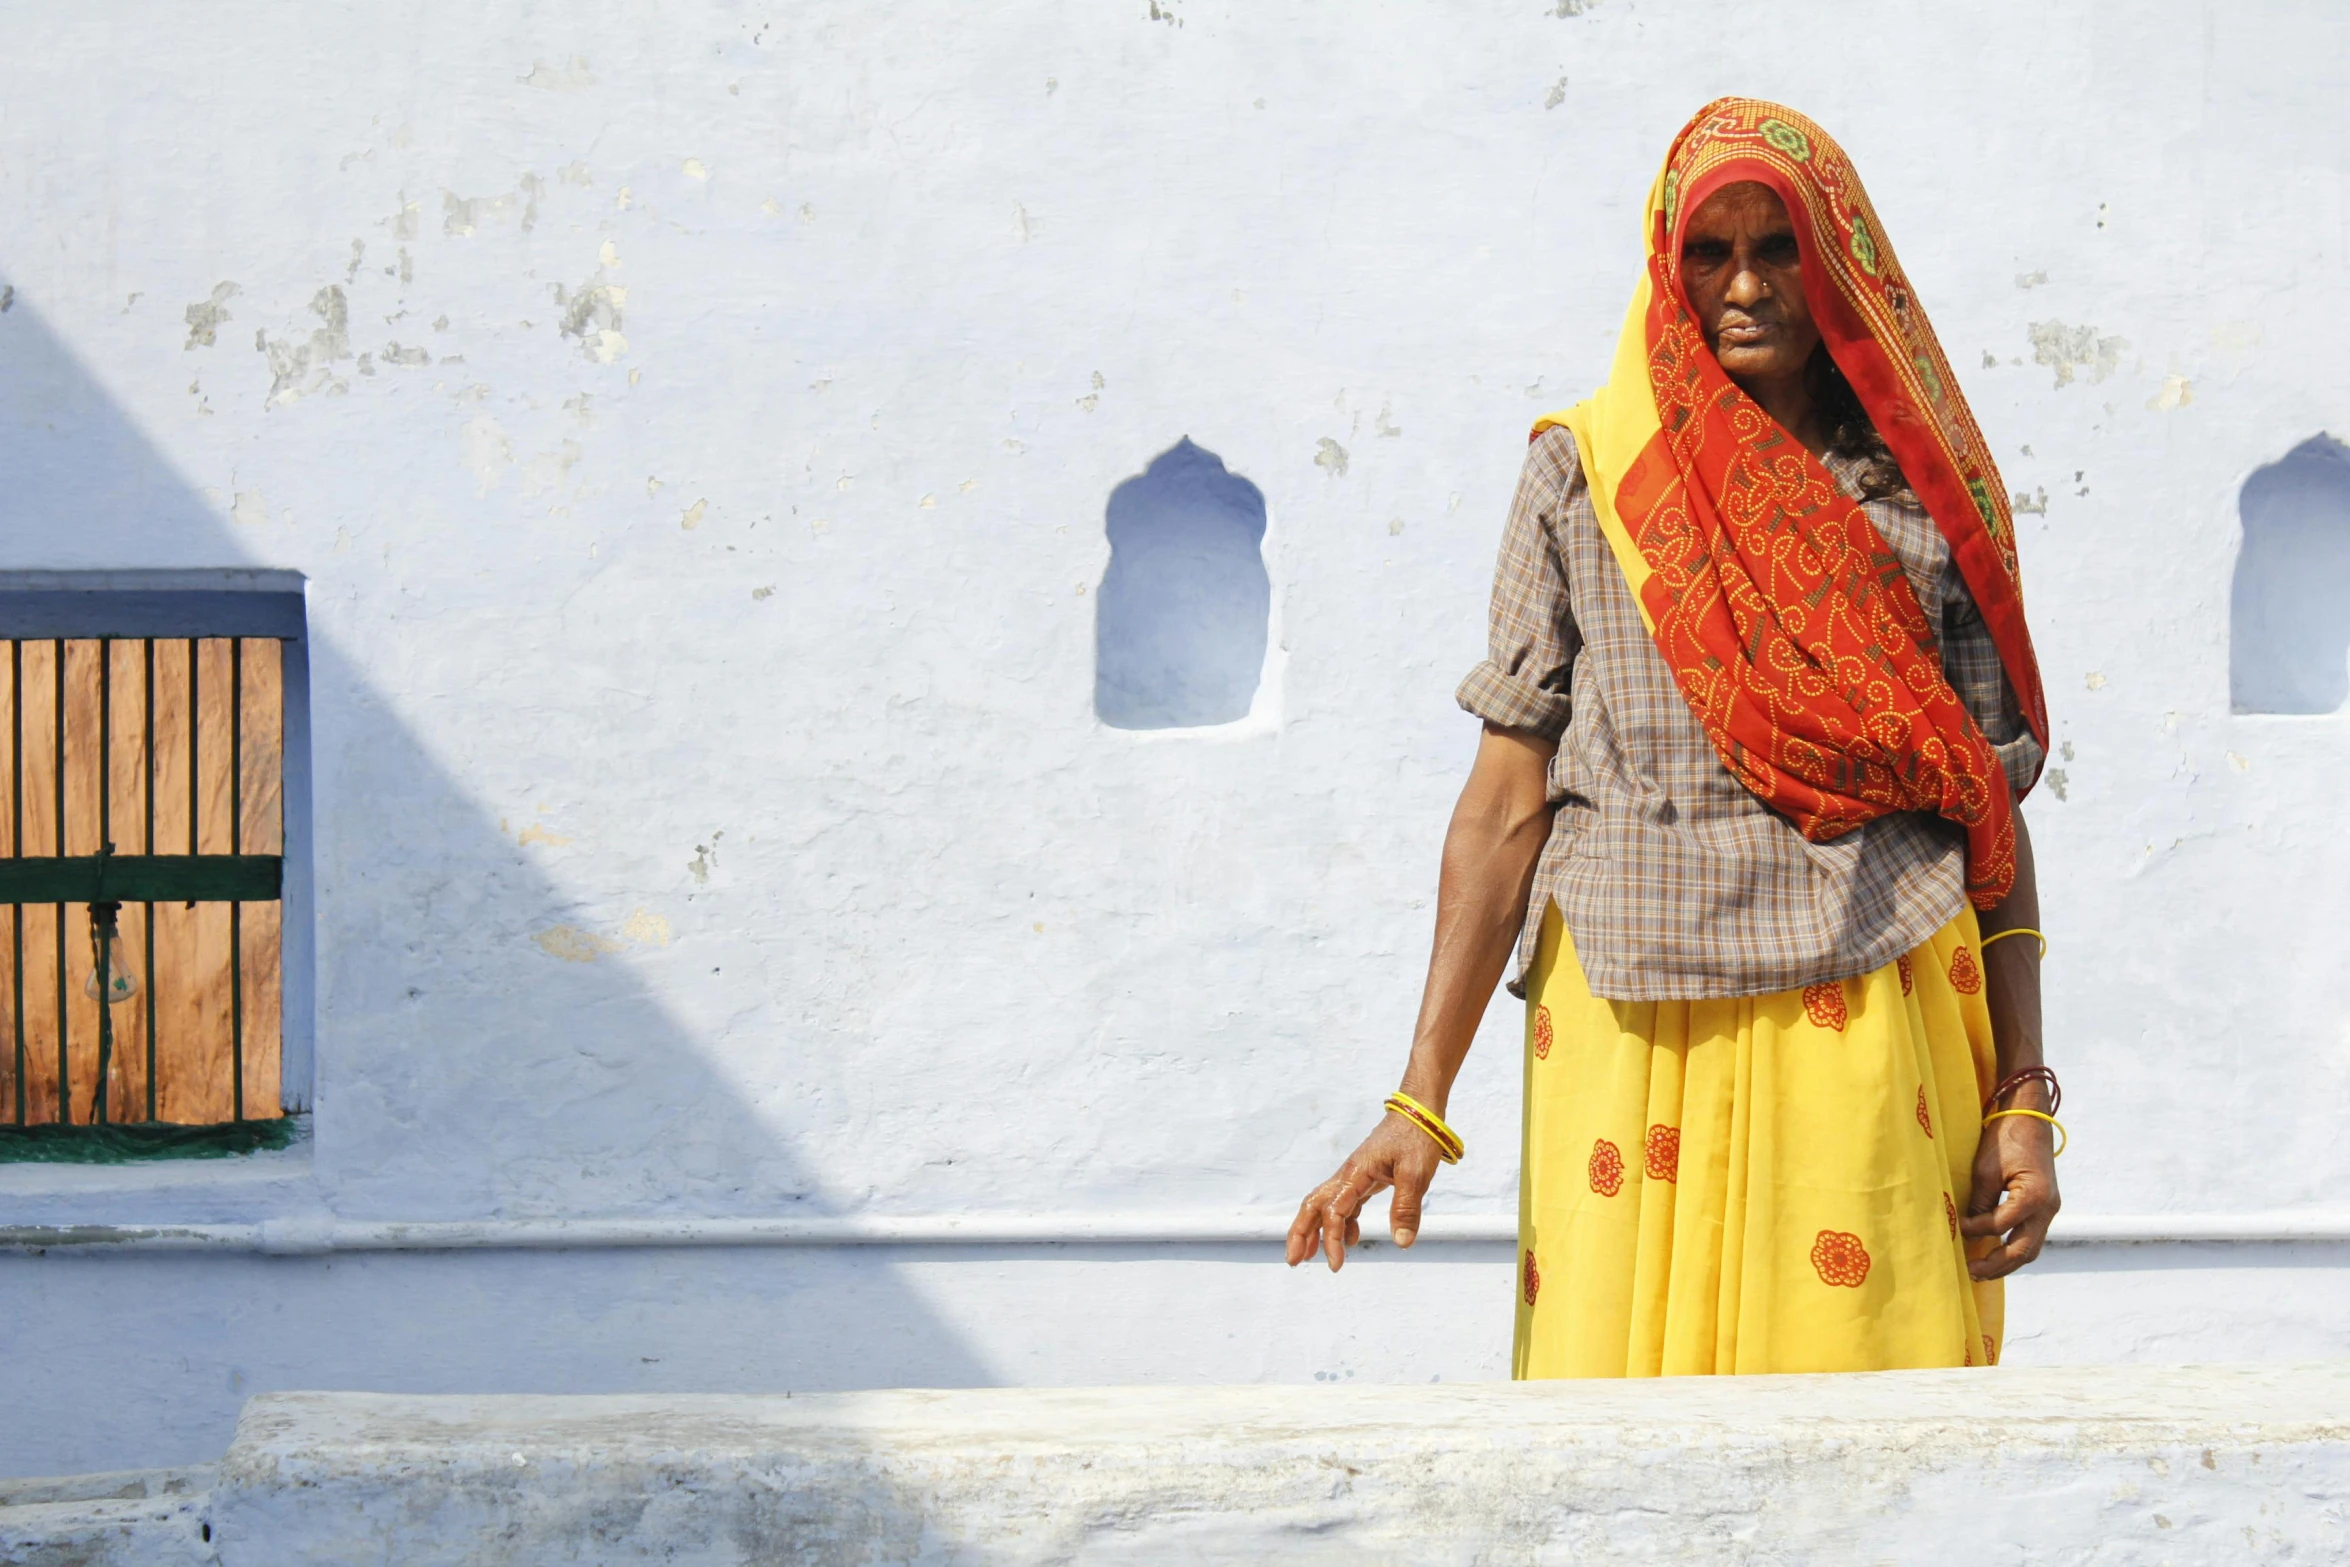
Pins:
x,y
147,1517
2118,1465
318,1234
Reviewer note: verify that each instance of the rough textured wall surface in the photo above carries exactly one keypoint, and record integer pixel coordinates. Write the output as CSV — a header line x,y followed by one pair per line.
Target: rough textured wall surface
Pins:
x,y
696,424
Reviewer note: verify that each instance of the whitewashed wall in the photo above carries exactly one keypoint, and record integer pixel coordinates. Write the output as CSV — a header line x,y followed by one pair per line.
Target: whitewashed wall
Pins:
x,y
695,424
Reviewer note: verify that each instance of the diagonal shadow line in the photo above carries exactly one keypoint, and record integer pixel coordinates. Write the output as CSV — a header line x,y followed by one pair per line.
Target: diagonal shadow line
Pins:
x,y
420,1111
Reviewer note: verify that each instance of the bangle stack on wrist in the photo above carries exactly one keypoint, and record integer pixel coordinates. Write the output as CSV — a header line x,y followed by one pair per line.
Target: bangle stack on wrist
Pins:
x,y
2030,1074
1449,1147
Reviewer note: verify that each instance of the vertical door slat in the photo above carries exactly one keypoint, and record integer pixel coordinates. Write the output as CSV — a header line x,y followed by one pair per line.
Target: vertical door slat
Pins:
x,y
39,666
213,686
78,757
264,925
265,745
12,1045
126,802
40,747
192,1033
180,1059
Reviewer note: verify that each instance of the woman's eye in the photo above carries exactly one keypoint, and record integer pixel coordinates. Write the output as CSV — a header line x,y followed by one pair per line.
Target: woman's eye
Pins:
x,y
1706,252
1780,250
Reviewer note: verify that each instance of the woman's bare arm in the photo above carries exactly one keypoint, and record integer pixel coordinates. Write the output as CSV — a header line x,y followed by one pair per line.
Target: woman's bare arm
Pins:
x,y
1490,851
2015,1193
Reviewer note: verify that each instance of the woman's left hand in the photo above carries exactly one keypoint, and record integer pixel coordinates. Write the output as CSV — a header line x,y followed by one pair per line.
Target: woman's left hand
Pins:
x,y
2015,1194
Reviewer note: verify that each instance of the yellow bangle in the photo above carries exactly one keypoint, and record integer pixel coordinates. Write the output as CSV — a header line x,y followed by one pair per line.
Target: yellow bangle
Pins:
x,y
2020,930
1449,1146
2037,1115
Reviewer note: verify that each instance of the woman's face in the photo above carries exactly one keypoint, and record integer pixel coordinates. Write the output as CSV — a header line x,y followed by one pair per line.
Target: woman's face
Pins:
x,y
1743,273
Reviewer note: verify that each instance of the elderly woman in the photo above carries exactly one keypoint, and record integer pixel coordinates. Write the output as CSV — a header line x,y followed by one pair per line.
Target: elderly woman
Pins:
x,y
1760,704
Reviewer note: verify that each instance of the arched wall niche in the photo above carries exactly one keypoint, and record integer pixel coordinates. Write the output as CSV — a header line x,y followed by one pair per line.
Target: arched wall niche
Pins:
x,y
2289,609
1182,619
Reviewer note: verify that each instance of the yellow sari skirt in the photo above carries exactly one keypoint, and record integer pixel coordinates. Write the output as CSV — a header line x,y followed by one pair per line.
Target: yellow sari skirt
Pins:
x,y
1758,1183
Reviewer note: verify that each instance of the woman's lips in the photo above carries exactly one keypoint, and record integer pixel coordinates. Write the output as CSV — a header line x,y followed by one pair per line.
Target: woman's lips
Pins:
x,y
1746,331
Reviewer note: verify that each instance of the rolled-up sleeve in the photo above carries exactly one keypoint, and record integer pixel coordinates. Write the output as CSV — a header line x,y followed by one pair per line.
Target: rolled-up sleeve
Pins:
x,y
1971,660
1531,637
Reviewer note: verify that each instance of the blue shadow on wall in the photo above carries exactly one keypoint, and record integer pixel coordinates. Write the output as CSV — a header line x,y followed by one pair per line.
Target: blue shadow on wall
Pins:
x,y
647,1124
1181,622
2289,619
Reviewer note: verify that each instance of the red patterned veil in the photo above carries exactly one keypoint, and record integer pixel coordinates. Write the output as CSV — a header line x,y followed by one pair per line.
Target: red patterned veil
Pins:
x,y
1788,623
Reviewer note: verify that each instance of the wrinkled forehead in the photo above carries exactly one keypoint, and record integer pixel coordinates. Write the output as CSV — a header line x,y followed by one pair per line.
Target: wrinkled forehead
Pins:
x,y
1735,195
1742,206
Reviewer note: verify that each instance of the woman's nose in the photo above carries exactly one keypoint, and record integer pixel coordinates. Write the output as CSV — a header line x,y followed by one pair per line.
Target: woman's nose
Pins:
x,y
1746,287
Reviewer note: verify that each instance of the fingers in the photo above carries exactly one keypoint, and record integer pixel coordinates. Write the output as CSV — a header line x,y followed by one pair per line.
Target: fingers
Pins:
x,y
2023,1222
1403,1217
2024,1205
1305,1232
1994,1210
1339,1227
1996,1220
2022,1246
1403,1211
1305,1228
1329,1220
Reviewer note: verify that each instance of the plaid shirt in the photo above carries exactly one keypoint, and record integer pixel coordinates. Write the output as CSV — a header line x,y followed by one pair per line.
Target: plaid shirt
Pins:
x,y
1675,881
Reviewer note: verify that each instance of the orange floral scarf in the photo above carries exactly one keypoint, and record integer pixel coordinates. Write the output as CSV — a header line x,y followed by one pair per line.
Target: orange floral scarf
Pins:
x,y
1789,624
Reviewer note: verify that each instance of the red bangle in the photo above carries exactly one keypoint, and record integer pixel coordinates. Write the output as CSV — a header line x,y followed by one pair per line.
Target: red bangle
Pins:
x,y
2027,1075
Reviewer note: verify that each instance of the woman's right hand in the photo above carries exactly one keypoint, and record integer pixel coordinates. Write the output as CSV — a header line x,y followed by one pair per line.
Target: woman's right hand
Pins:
x,y
1397,1154
1490,850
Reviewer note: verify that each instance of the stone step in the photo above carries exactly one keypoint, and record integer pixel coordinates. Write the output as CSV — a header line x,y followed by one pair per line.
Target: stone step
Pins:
x,y
2116,1465
114,1485
99,1521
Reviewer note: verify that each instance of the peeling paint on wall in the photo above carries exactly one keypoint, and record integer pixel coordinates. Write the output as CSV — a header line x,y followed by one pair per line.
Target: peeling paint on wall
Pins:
x,y
462,216
593,314
572,944
572,75
646,929
551,471
297,369
205,316
2066,349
